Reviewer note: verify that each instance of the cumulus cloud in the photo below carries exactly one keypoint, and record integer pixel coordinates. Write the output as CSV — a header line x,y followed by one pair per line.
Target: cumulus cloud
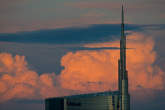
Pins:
x,y
84,71
98,70
18,81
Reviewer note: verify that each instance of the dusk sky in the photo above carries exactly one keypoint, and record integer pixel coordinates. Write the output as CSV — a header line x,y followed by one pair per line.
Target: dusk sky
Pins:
x,y
52,48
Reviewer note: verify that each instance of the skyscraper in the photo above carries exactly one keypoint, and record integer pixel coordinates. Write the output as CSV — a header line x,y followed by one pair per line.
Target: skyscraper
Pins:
x,y
122,72
109,100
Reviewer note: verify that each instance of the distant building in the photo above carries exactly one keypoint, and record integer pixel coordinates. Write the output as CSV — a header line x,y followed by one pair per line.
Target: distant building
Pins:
x,y
110,100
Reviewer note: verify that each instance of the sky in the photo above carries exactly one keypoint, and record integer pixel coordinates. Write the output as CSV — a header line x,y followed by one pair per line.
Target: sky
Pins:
x,y
28,15
52,48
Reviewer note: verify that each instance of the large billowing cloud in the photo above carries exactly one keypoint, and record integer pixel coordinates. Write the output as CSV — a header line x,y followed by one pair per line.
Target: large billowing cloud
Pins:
x,y
98,70
84,71
18,81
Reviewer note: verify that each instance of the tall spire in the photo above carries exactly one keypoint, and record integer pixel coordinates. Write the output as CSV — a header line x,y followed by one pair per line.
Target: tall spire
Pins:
x,y
123,74
122,22
122,45
122,14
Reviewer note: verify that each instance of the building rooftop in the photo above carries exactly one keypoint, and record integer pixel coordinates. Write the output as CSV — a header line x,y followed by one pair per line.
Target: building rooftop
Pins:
x,y
106,93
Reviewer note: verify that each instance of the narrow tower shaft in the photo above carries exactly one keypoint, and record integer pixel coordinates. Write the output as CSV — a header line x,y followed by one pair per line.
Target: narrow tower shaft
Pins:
x,y
122,61
123,45
122,72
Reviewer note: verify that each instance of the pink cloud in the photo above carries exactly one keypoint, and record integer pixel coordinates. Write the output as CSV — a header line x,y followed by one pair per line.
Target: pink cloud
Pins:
x,y
84,71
